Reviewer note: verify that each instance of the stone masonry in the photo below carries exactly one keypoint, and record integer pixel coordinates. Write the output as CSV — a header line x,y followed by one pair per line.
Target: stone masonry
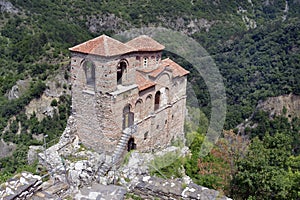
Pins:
x,y
117,86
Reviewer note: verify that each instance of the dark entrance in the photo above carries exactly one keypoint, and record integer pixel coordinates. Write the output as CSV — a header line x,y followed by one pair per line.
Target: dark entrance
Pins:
x,y
131,145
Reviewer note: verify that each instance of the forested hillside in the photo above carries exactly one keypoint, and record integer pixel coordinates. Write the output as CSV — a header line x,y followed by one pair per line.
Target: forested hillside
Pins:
x,y
255,45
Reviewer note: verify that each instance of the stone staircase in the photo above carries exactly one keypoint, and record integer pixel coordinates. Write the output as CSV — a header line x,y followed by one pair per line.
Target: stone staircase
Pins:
x,y
122,144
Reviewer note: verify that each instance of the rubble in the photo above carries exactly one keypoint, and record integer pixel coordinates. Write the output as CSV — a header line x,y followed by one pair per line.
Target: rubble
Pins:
x,y
21,186
73,172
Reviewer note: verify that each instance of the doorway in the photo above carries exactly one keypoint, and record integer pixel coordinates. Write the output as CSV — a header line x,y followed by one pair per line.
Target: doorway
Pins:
x,y
131,145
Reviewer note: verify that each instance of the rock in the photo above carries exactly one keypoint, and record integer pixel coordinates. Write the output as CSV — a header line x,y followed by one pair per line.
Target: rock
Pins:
x,y
6,6
153,187
32,154
103,180
103,192
48,111
108,21
21,186
21,85
79,166
6,149
186,179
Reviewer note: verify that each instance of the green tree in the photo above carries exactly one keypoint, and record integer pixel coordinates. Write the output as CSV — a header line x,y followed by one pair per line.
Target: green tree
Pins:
x,y
264,173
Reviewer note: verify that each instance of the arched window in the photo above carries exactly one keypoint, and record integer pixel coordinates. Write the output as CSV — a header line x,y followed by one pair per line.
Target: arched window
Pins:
x,y
138,110
148,105
122,67
128,117
157,100
166,97
89,69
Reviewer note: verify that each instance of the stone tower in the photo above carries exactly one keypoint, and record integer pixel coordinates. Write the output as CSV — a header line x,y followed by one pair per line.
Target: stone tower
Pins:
x,y
125,96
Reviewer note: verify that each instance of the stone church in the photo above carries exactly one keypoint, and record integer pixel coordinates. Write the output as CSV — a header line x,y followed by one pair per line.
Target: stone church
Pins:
x,y
125,96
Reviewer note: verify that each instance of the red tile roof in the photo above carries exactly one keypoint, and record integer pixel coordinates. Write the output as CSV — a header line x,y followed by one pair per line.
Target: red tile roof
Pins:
x,y
168,64
177,69
103,46
145,43
142,82
157,71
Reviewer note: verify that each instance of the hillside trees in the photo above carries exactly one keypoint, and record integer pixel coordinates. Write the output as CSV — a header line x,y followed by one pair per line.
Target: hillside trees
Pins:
x,y
268,170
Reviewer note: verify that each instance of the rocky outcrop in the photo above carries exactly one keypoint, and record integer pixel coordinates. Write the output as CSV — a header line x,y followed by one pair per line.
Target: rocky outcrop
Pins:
x,y
286,105
32,154
6,6
70,162
21,186
73,169
18,89
106,22
6,149
56,86
187,26
110,22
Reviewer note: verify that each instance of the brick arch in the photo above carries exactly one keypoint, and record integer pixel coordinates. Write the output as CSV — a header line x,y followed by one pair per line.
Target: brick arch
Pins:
x,y
164,78
122,69
166,96
138,109
89,70
148,104
128,116
157,100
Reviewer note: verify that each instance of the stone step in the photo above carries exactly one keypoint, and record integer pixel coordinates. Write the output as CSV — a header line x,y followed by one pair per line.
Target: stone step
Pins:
x,y
119,150
126,135
120,145
124,139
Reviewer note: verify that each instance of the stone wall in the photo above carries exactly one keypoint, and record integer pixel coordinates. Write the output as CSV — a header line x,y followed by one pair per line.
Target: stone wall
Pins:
x,y
152,187
98,109
21,186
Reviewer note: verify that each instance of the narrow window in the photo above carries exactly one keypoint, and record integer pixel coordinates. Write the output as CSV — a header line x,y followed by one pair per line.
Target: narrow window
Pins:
x,y
157,100
145,61
148,105
89,69
157,59
138,110
120,72
146,135
128,117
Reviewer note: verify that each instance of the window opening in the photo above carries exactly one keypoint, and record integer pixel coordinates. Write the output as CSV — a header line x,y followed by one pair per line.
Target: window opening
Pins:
x,y
157,100
120,72
146,135
128,117
89,69
145,62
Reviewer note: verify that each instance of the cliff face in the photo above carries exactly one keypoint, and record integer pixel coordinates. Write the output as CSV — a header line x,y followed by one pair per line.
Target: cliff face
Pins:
x,y
286,105
6,6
